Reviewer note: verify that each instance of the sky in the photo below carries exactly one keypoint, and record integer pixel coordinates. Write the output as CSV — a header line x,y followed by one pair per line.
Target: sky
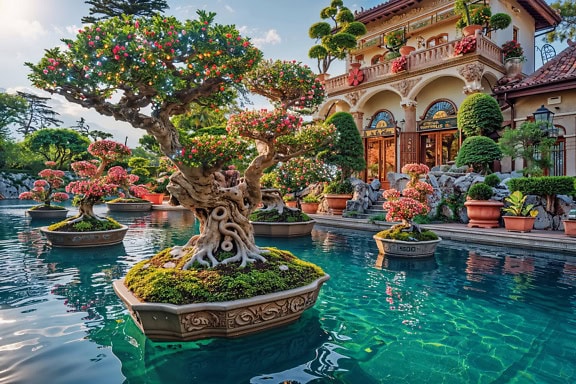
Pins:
x,y
28,27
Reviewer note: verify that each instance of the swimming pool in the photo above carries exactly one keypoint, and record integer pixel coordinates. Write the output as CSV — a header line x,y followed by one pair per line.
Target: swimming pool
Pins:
x,y
471,314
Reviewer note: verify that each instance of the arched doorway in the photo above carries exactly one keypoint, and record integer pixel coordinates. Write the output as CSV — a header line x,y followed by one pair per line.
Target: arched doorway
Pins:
x,y
438,134
380,144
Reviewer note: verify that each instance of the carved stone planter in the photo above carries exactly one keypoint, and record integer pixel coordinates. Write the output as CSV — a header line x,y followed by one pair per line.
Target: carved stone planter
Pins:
x,y
406,249
303,228
84,239
58,214
130,207
226,319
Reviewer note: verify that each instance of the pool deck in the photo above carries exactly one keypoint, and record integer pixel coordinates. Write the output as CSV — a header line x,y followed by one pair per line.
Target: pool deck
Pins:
x,y
548,241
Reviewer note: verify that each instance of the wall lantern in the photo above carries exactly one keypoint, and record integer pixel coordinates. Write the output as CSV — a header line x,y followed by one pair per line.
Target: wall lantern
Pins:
x,y
545,119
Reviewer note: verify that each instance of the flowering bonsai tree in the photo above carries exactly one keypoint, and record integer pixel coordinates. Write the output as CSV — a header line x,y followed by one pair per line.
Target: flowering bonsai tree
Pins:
x,y
403,207
128,190
46,189
164,65
93,184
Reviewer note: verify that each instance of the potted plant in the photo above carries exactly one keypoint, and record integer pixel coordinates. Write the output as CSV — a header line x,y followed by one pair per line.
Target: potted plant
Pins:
x,y
310,203
45,191
87,229
519,216
337,193
482,211
290,200
399,64
394,40
513,54
475,17
407,239
465,45
570,224
130,194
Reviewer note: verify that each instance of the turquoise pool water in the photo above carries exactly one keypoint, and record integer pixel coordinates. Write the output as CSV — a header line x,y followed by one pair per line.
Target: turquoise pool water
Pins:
x,y
472,314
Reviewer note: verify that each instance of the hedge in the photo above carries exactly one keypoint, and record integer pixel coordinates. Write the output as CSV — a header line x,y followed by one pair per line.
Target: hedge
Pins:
x,y
542,186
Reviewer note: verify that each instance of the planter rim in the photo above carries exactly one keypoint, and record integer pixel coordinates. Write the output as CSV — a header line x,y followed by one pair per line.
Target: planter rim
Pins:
x,y
53,208
483,202
282,223
408,242
124,227
136,304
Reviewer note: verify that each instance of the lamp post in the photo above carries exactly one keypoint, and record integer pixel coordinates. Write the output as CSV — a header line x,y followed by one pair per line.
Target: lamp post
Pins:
x,y
545,119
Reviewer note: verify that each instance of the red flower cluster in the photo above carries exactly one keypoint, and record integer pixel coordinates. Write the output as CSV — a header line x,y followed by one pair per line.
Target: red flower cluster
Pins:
x,y
399,64
511,49
465,45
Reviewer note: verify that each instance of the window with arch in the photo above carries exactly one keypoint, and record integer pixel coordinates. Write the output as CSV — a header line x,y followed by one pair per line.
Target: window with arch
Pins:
x,y
440,110
382,119
558,154
376,59
437,40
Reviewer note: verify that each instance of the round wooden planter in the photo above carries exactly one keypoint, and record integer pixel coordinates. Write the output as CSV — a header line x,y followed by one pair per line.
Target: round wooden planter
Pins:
x,y
518,223
406,249
129,207
303,228
169,322
337,203
154,198
84,239
309,207
47,213
483,213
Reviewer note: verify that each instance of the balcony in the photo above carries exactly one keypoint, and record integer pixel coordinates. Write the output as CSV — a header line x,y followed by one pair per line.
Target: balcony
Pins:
x,y
421,62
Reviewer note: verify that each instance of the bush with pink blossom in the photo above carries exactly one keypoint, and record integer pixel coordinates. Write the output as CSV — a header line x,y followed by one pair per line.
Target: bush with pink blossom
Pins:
x,y
46,189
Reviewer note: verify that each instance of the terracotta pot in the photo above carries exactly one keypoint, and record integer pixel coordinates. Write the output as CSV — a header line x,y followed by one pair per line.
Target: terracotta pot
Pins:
x,y
483,213
309,207
154,198
303,228
291,204
337,203
47,213
569,227
406,249
130,207
405,50
470,30
227,319
519,223
84,239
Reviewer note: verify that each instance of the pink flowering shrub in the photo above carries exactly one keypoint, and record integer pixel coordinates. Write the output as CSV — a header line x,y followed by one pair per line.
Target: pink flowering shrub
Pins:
x,y
45,190
399,64
413,200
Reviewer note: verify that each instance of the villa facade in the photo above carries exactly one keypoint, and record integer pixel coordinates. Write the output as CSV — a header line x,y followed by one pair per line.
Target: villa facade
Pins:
x,y
409,115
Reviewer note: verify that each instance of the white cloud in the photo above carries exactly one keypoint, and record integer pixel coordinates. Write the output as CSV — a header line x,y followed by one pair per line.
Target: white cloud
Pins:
x,y
271,37
20,28
229,9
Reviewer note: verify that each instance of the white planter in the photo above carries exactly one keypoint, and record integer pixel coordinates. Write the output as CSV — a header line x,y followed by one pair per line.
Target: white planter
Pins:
x,y
406,249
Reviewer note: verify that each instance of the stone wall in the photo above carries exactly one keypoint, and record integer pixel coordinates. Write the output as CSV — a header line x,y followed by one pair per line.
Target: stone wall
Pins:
x,y
12,184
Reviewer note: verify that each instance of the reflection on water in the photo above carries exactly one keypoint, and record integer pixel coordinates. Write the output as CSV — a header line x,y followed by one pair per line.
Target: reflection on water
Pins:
x,y
469,314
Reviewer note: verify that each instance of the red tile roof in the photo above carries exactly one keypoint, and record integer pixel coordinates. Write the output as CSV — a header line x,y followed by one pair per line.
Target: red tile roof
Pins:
x,y
559,69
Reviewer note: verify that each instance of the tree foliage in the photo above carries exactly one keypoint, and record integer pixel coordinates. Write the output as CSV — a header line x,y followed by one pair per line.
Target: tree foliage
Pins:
x,y
37,116
478,152
12,107
334,41
57,144
93,134
479,115
105,9
567,27
348,151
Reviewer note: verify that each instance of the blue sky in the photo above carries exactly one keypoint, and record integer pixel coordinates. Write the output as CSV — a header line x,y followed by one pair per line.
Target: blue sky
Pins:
x,y
27,27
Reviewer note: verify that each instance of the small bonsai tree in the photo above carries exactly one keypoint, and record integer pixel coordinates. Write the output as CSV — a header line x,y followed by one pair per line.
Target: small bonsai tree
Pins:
x,y
334,41
480,191
480,14
478,152
45,190
528,142
479,115
347,152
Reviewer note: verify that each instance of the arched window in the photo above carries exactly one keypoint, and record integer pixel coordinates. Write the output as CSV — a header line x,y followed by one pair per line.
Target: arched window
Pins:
x,y
440,110
437,40
382,119
376,59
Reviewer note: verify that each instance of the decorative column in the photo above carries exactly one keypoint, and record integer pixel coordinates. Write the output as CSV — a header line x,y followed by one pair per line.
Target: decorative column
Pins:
x,y
472,74
408,152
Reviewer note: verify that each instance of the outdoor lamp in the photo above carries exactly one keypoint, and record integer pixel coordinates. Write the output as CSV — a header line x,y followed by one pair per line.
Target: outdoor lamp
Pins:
x,y
545,118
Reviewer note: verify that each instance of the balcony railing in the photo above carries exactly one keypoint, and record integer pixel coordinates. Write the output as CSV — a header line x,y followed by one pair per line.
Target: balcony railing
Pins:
x,y
418,60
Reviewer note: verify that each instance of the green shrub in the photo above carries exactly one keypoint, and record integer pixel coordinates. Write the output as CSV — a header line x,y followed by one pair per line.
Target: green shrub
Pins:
x,y
542,186
311,198
348,151
478,152
492,180
339,188
479,115
480,191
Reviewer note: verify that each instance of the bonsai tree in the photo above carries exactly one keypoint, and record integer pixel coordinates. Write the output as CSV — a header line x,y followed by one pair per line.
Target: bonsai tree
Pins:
x,y
478,152
46,189
165,65
127,188
479,115
480,191
528,142
405,206
336,40
347,152
473,13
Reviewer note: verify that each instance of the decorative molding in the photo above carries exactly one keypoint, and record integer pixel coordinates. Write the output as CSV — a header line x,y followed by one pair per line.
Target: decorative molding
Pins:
x,y
405,86
353,97
472,74
408,103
